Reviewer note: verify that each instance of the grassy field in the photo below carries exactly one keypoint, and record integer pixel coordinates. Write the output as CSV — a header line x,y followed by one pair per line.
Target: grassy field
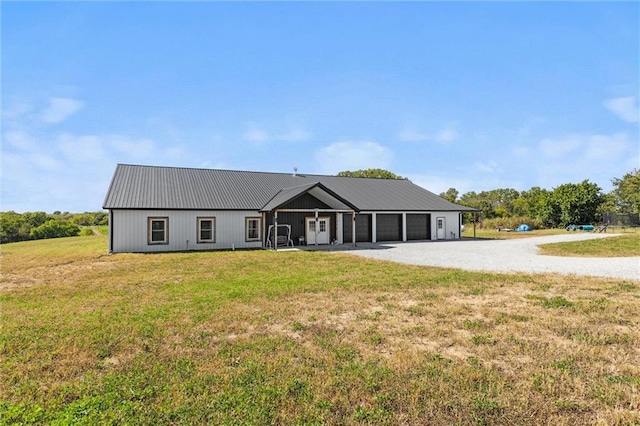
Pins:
x,y
260,337
620,246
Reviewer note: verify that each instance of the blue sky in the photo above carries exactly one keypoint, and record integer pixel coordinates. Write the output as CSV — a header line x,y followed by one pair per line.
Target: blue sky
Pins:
x,y
470,95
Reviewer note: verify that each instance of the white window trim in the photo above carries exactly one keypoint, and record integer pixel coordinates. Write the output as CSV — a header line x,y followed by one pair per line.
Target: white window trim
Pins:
x,y
213,229
150,221
246,228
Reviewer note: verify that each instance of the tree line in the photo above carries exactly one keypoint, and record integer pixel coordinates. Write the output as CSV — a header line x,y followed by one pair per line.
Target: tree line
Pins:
x,y
39,225
570,203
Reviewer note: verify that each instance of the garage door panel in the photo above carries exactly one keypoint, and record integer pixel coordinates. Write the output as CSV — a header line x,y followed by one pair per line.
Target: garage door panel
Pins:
x,y
418,226
388,227
363,228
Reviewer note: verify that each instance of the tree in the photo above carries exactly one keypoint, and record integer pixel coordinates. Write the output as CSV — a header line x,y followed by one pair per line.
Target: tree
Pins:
x,y
371,173
13,227
536,204
35,219
627,192
451,195
576,203
494,203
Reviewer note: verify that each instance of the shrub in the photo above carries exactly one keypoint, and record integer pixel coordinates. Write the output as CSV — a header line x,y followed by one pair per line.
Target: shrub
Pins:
x,y
86,232
55,229
512,222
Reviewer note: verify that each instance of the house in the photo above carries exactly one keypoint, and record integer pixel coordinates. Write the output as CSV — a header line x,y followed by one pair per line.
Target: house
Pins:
x,y
153,209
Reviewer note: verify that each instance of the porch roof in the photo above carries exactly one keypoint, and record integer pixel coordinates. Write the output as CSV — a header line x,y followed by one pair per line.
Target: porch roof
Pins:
x,y
316,189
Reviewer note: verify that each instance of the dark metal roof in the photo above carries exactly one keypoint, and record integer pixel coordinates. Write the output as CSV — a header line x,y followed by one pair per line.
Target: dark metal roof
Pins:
x,y
152,187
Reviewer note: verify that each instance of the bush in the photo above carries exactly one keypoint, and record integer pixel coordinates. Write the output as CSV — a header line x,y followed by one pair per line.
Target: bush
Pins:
x,y
512,222
55,229
86,232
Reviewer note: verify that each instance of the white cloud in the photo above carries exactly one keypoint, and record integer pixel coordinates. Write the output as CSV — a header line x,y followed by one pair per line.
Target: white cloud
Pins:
x,y
46,162
17,110
60,109
556,148
597,157
445,135
81,148
136,148
625,108
295,134
256,136
410,134
352,155
18,139
601,147
488,167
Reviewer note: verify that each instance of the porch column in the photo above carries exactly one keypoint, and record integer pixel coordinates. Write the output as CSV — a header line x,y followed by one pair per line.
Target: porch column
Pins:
x,y
317,230
275,230
374,227
404,227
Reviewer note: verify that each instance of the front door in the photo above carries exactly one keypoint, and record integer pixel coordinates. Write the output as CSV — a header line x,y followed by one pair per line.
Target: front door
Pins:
x,y
317,232
440,226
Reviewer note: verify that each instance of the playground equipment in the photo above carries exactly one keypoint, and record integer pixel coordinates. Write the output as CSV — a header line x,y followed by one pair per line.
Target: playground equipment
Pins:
x,y
580,228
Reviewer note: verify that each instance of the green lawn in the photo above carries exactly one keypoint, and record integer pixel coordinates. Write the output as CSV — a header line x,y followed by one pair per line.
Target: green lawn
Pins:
x,y
624,245
261,337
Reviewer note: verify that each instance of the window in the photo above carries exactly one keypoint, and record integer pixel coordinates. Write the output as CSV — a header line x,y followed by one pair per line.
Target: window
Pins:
x,y
252,228
323,226
158,230
206,229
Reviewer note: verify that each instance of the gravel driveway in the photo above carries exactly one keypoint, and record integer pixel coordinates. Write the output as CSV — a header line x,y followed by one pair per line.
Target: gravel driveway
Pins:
x,y
517,255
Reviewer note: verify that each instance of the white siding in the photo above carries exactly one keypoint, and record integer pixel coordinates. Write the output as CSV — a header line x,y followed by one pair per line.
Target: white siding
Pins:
x,y
128,230
451,223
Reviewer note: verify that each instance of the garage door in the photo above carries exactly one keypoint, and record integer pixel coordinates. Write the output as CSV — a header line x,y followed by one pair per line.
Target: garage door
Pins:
x,y
418,226
363,228
388,227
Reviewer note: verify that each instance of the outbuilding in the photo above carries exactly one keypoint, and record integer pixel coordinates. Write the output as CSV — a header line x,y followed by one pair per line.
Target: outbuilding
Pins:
x,y
154,209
